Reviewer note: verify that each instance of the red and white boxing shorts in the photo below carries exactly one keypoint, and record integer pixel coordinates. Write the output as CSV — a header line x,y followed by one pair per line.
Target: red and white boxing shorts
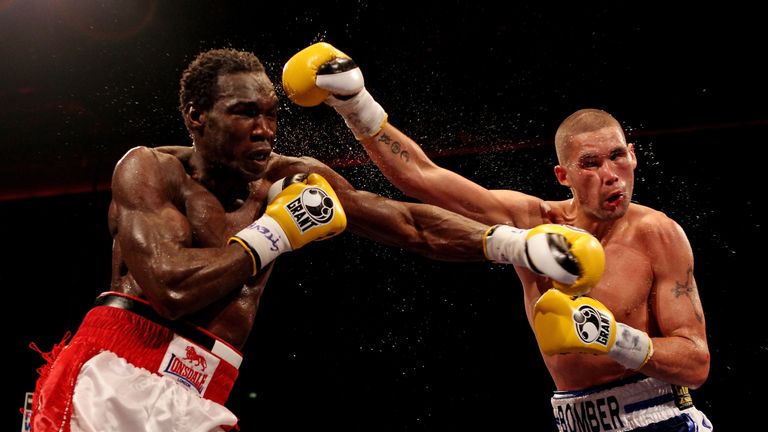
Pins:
x,y
128,369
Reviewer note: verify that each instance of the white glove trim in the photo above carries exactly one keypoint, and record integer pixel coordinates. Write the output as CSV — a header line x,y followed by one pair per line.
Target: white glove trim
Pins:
x,y
266,239
632,347
541,256
506,244
345,83
363,115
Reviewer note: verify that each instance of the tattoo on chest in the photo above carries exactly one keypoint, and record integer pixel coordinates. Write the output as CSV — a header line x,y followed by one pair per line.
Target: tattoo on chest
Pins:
x,y
394,147
688,289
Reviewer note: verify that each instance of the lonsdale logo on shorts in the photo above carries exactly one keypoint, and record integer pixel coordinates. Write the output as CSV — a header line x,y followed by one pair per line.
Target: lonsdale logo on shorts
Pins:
x,y
187,371
592,326
312,208
189,364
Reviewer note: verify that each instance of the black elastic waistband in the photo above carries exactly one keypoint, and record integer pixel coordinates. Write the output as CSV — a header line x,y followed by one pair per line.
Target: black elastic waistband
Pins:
x,y
142,308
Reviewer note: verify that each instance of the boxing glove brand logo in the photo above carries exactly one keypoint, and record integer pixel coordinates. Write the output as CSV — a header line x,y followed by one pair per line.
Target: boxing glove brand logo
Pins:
x,y
312,208
592,326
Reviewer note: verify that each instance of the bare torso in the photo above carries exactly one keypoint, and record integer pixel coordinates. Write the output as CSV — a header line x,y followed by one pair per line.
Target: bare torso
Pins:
x,y
648,282
211,223
171,229
626,289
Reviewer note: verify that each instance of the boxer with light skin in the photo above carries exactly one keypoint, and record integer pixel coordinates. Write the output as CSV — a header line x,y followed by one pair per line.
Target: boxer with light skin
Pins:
x,y
622,356
196,231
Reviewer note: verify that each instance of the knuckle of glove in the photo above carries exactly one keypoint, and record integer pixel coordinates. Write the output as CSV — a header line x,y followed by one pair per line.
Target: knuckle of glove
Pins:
x,y
341,77
300,72
280,185
550,256
574,258
590,256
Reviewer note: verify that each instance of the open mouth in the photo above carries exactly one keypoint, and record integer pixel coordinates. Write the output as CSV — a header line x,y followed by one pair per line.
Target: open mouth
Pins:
x,y
258,155
614,197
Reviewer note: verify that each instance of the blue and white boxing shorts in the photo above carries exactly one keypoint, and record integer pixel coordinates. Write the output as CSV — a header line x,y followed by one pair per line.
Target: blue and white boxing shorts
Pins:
x,y
639,404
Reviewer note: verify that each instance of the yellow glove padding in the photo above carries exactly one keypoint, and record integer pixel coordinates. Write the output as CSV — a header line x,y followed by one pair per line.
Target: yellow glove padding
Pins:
x,y
321,73
308,210
300,74
571,257
565,324
305,210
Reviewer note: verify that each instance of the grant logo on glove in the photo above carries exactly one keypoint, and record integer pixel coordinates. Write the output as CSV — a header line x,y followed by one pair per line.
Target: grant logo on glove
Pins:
x,y
311,208
592,326
302,208
557,315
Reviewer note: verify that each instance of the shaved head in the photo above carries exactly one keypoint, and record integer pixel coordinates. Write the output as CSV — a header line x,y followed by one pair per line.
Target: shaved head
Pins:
x,y
584,120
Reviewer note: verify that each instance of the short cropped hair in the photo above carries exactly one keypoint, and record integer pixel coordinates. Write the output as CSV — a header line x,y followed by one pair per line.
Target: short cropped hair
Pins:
x,y
584,120
198,84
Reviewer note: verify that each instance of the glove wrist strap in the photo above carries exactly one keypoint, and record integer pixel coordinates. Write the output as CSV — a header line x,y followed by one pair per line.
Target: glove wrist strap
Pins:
x,y
255,261
632,347
363,115
265,240
506,244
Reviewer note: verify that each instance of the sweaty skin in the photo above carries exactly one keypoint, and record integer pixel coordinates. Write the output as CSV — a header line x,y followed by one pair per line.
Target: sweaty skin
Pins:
x,y
173,209
648,281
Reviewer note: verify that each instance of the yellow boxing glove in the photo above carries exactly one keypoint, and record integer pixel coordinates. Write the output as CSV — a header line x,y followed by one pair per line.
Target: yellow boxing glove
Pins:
x,y
302,208
571,257
565,324
321,73
300,73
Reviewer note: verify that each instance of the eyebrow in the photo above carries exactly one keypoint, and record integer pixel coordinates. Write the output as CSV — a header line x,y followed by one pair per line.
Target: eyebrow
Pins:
x,y
587,156
591,156
252,104
619,151
246,104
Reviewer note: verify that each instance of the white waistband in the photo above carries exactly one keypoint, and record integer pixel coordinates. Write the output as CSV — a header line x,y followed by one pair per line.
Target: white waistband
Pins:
x,y
227,354
624,406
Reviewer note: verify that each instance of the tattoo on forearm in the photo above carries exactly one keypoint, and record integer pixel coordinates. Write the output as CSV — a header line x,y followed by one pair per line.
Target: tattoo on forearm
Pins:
x,y
688,289
394,147
405,156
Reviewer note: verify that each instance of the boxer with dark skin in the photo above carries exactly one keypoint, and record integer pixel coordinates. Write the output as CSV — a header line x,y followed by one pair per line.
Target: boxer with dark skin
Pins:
x,y
171,223
172,213
174,208
195,231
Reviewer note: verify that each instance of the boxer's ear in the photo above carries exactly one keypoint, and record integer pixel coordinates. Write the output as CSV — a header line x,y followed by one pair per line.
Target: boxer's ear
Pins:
x,y
194,118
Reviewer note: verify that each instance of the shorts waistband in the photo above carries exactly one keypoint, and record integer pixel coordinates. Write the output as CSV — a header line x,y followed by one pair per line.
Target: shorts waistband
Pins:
x,y
625,405
184,329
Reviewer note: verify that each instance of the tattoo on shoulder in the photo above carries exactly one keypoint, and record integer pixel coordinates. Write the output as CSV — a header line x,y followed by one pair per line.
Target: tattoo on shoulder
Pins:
x,y
394,147
688,289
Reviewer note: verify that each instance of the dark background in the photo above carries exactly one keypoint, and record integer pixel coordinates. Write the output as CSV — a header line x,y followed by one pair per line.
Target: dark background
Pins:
x,y
352,335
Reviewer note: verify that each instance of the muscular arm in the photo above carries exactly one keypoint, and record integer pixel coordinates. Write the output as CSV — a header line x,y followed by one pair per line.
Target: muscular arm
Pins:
x,y
155,239
681,355
428,230
420,228
406,165
308,82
